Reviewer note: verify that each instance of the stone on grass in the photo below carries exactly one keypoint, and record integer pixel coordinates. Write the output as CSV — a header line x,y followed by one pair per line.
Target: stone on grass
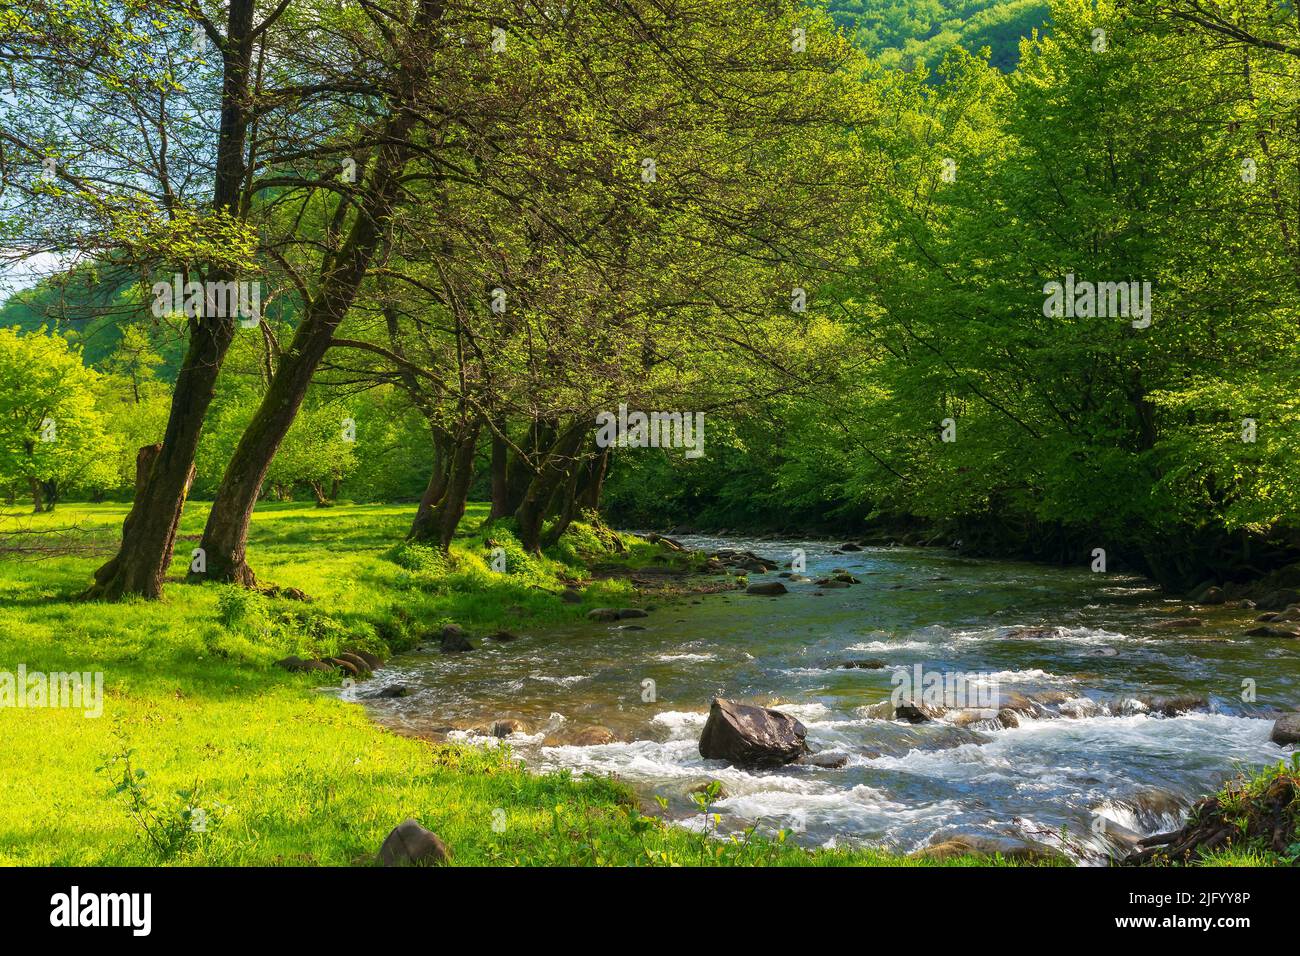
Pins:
x,y
409,844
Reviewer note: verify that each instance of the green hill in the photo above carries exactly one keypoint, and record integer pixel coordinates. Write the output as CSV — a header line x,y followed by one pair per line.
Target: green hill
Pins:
x,y
901,32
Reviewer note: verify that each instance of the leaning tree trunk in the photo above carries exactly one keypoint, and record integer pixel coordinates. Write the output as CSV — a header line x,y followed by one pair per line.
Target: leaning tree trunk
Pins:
x,y
225,537
438,526
164,475
147,577
593,481
500,477
149,531
519,470
551,474
437,485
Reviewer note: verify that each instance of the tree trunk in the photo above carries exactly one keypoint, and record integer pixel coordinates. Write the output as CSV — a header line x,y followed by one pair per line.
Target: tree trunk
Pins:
x,y
593,483
226,535
438,525
500,477
551,474
130,572
38,496
519,471
437,485
318,490
163,477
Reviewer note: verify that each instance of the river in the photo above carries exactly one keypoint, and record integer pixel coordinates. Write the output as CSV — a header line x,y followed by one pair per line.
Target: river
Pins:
x,y
1085,643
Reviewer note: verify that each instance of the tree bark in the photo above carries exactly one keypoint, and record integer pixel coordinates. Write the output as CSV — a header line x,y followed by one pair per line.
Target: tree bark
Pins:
x,y
438,525
162,484
554,470
437,486
500,477
225,536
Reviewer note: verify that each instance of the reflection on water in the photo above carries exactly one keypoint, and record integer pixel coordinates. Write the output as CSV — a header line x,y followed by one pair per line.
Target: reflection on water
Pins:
x,y
1086,642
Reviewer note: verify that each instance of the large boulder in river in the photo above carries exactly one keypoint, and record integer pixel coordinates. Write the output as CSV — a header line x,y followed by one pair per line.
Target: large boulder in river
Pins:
x,y
768,588
1286,730
751,737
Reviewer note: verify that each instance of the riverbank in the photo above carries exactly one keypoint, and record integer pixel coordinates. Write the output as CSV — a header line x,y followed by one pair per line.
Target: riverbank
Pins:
x,y
207,754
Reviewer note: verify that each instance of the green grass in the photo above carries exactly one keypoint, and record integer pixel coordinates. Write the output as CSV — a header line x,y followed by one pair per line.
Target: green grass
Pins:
x,y
195,716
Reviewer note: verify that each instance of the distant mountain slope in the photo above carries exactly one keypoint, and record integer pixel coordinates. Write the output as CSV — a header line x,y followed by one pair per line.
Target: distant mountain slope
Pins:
x,y
903,31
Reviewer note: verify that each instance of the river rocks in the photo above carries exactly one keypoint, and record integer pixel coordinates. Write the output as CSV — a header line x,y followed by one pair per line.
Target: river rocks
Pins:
x,y
1275,630
372,661
614,614
1286,730
1179,624
391,692
850,546
1014,701
829,760
347,666
1174,705
883,710
296,664
829,583
745,560
1008,718
751,737
1027,632
1277,600
453,640
593,737
977,845
409,844
510,725
361,666
916,713
866,664
503,637
767,589
800,579
967,716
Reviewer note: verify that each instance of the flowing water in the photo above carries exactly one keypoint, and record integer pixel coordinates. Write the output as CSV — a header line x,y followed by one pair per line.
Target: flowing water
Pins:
x,y
1091,765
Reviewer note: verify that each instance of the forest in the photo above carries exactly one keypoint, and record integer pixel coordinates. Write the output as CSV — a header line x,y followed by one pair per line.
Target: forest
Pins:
x,y
327,328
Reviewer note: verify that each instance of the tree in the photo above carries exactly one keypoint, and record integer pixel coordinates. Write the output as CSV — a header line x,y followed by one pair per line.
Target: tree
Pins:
x,y
51,434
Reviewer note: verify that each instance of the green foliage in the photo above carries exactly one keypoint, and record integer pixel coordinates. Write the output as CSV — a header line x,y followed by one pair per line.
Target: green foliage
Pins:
x,y
51,433
903,33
